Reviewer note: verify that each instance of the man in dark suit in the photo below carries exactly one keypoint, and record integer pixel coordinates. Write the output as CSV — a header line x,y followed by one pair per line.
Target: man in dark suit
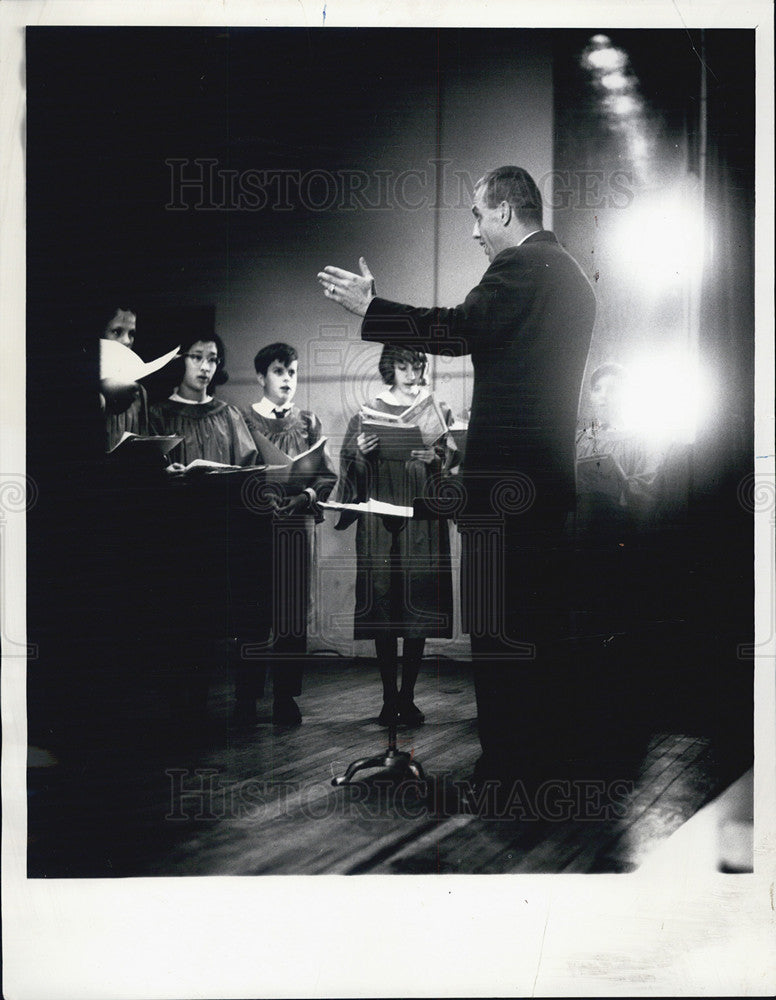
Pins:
x,y
527,326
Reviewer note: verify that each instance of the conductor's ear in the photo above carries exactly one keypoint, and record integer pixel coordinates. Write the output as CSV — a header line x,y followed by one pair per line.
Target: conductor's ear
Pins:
x,y
506,213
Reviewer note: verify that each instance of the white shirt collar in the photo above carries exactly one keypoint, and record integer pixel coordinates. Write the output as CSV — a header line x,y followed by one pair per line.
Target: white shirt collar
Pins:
x,y
266,408
193,402
388,397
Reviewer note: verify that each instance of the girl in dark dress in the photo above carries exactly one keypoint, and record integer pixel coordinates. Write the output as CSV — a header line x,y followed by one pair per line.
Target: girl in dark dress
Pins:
x,y
404,577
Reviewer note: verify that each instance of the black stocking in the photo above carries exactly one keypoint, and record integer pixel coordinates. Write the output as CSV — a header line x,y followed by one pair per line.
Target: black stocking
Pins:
x,y
386,648
412,655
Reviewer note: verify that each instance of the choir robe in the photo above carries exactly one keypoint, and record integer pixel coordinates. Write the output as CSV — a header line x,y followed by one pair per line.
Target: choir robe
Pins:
x,y
214,545
214,431
404,577
295,611
133,420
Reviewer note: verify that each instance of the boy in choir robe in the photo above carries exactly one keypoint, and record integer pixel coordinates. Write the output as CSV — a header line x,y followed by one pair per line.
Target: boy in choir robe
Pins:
x,y
287,575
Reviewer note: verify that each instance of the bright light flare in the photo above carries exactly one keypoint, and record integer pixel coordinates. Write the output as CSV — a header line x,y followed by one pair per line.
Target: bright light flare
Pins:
x,y
602,56
622,104
659,239
668,398
639,147
615,81
606,60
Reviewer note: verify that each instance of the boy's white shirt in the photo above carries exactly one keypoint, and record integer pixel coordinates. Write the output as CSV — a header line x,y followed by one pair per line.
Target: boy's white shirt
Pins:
x,y
266,408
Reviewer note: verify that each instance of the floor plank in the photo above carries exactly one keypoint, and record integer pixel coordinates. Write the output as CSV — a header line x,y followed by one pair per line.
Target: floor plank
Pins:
x,y
262,801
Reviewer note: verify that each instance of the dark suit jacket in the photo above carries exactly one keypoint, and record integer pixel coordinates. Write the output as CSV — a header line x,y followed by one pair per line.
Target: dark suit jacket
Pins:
x,y
527,326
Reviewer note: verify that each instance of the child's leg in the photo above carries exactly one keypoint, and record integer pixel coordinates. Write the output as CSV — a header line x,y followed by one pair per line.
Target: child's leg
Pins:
x,y
287,666
386,649
291,576
249,669
412,656
250,607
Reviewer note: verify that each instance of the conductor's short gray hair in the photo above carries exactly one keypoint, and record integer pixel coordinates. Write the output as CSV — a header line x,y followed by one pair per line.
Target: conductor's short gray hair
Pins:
x,y
515,186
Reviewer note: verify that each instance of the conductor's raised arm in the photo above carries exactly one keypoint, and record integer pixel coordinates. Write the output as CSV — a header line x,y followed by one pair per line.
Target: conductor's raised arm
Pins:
x,y
435,331
352,291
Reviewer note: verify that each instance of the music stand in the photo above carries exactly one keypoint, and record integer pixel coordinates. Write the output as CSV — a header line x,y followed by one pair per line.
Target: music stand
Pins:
x,y
393,761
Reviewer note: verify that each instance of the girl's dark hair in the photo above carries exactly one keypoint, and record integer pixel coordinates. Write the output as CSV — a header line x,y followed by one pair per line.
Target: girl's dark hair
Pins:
x,y
393,354
99,316
279,351
174,371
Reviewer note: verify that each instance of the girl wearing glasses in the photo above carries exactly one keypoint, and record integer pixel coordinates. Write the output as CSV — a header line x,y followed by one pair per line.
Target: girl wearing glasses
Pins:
x,y
201,536
211,429
404,575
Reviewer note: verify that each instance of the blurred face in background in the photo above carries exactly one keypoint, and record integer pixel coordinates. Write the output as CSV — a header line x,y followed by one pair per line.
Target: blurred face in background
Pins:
x,y
608,399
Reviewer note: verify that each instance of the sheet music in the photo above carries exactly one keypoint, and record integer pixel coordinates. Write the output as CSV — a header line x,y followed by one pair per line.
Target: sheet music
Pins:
x,y
371,507
122,364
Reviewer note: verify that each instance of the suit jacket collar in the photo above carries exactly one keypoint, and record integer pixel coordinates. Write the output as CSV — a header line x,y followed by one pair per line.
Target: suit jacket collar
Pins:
x,y
542,236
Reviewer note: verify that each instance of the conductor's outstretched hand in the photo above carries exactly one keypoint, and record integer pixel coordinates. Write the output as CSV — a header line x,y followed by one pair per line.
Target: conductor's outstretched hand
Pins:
x,y
353,291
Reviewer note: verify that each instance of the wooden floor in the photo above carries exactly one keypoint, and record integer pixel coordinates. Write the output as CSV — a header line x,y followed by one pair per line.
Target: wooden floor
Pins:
x,y
262,801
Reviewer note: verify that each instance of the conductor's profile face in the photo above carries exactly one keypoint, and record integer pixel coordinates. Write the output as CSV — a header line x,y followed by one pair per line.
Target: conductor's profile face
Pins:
x,y
488,226
121,328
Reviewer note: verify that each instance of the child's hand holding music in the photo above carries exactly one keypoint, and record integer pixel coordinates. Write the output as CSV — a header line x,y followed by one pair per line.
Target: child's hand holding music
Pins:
x,y
425,455
367,442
